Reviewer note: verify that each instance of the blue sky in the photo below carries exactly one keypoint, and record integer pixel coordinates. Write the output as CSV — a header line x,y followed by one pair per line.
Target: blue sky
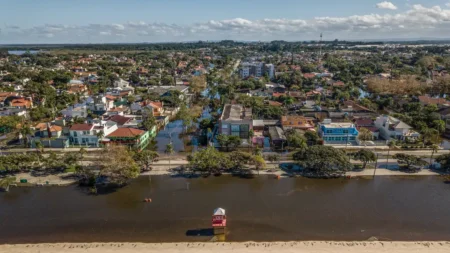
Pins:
x,y
93,21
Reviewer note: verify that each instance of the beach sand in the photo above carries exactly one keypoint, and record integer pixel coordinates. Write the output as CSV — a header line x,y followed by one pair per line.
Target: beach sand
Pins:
x,y
245,247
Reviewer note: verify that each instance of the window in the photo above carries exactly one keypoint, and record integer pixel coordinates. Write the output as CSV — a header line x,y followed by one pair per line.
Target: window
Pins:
x,y
329,131
345,131
235,128
244,128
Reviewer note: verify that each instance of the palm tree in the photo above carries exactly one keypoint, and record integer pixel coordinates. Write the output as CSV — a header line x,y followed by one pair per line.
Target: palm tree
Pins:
x,y
251,134
100,136
434,149
6,182
39,146
391,144
169,150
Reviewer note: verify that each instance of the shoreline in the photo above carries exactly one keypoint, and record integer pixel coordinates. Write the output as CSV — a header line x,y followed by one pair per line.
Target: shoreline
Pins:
x,y
41,181
244,247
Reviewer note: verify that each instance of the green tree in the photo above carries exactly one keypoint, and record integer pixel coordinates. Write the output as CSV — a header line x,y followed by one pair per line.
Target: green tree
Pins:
x,y
145,158
239,159
444,161
228,140
296,140
6,182
365,156
365,135
117,164
409,160
274,158
169,151
391,145
434,149
323,161
259,162
312,137
208,160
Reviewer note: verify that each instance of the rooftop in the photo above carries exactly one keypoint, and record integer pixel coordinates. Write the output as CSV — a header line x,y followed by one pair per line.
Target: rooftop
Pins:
x,y
339,125
236,112
126,132
82,127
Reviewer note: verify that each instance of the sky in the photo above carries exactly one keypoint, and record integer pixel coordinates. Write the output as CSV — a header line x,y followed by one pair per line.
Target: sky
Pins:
x,y
136,21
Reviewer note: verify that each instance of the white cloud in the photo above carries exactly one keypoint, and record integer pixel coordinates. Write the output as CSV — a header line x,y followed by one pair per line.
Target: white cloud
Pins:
x,y
416,22
386,5
447,4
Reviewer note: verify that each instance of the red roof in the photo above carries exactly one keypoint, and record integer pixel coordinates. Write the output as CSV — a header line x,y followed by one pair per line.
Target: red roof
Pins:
x,y
309,75
275,103
82,127
364,122
277,94
120,120
110,97
126,132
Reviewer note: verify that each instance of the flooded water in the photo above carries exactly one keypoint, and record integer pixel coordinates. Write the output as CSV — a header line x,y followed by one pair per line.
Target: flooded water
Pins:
x,y
171,133
21,52
260,209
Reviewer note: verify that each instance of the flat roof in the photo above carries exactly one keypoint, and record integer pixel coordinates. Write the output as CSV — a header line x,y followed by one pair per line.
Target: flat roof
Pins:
x,y
236,112
339,125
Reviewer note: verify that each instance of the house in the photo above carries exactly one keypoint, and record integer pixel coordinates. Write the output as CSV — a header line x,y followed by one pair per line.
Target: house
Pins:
x,y
77,88
5,95
369,124
275,103
47,130
21,103
277,136
157,108
391,127
120,110
297,122
131,137
90,134
445,115
120,120
338,133
236,120
100,103
13,112
309,75
121,84
78,110
427,100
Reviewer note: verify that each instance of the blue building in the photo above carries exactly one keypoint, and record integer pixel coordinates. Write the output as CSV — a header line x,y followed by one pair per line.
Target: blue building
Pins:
x,y
338,133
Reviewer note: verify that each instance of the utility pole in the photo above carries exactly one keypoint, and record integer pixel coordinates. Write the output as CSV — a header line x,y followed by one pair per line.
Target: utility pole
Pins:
x,y
320,48
376,165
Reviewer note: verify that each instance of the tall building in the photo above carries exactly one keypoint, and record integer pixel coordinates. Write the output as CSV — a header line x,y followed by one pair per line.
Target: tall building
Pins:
x,y
256,69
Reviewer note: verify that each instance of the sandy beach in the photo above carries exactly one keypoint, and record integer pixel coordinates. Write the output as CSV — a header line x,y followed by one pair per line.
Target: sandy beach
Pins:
x,y
246,247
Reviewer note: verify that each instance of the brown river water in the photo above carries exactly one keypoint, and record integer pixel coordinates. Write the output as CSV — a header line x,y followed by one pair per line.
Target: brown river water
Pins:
x,y
259,209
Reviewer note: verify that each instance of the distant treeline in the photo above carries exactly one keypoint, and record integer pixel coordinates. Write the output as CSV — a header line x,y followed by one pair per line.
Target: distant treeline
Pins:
x,y
278,45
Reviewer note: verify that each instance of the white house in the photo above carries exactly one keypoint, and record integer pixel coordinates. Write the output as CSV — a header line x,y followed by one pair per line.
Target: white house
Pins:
x,y
78,110
99,103
121,84
88,134
391,127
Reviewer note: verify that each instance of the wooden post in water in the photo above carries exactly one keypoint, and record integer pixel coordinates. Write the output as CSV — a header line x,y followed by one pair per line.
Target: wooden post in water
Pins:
x,y
219,221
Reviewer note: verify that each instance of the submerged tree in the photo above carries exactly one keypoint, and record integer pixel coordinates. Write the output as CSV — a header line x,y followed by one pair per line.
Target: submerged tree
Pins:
x,y
117,164
145,158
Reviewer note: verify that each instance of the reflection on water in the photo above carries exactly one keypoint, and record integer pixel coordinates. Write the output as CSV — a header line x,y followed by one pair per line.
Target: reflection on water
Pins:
x,y
260,209
171,132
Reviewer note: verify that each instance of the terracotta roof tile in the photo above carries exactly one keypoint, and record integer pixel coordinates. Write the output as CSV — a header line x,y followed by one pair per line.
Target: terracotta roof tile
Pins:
x,y
126,132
